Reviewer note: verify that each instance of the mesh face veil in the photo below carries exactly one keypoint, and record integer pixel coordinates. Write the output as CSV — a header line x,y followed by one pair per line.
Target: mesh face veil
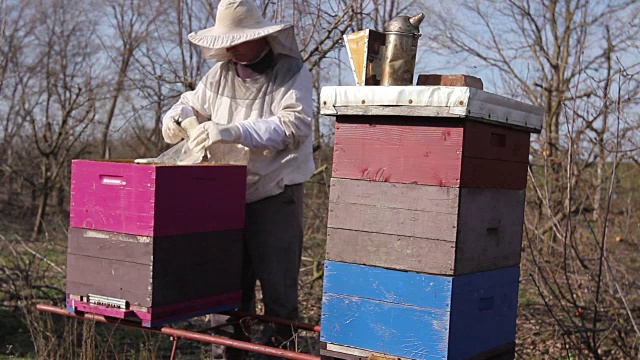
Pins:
x,y
285,65
238,21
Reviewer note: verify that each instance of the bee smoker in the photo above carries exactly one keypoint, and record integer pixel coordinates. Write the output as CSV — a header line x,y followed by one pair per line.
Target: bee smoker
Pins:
x,y
399,52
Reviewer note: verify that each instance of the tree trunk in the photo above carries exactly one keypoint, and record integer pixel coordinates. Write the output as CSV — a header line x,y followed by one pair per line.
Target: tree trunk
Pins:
x,y
42,203
114,102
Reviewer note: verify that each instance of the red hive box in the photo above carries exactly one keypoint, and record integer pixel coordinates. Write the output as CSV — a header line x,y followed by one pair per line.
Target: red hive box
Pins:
x,y
155,242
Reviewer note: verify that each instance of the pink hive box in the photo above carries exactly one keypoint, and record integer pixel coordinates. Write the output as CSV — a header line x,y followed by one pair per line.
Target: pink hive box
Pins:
x,y
156,200
156,243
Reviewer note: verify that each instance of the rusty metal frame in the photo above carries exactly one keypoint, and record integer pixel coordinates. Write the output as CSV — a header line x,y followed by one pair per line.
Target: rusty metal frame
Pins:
x,y
177,334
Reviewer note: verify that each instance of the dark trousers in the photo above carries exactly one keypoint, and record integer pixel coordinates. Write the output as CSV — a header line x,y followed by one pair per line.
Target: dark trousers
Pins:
x,y
272,251
273,237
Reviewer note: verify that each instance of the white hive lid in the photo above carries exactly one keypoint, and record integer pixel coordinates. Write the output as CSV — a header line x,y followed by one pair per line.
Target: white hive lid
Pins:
x,y
430,101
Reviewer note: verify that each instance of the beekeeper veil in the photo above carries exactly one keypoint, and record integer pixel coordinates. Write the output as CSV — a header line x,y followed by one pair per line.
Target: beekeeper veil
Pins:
x,y
238,21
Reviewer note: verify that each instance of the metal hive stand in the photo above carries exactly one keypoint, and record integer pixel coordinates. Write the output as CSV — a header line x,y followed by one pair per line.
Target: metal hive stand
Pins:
x,y
177,334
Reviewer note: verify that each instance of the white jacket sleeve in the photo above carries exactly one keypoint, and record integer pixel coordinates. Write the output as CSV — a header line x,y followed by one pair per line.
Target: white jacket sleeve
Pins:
x,y
263,133
290,127
295,111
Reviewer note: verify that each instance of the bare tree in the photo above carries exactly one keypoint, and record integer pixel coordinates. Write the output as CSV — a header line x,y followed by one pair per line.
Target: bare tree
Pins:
x,y
578,59
541,51
132,22
58,101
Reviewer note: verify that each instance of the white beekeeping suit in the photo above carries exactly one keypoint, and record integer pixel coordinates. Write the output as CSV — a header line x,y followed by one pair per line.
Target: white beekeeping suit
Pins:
x,y
271,112
258,100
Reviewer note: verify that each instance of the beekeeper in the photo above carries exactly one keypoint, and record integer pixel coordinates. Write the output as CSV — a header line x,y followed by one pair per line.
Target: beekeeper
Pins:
x,y
256,104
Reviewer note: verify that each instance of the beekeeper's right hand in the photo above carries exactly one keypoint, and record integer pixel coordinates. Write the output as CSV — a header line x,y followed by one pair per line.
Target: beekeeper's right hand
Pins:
x,y
172,132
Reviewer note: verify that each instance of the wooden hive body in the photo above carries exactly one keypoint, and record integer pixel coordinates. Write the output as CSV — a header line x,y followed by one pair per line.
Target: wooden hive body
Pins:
x,y
425,222
156,243
419,316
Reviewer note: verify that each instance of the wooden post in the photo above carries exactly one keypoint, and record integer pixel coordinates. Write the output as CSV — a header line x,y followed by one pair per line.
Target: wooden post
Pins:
x,y
425,222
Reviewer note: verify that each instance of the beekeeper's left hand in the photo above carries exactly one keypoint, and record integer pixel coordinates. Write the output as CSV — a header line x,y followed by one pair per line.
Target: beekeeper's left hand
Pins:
x,y
209,133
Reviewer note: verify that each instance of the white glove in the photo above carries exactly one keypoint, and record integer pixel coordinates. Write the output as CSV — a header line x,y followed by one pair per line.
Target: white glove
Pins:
x,y
263,133
171,129
209,133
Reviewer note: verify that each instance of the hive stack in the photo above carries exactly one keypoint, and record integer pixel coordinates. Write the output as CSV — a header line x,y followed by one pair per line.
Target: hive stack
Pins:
x,y
155,243
425,222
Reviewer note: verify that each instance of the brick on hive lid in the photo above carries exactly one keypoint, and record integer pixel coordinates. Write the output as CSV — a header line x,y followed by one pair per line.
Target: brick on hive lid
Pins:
x,y
450,80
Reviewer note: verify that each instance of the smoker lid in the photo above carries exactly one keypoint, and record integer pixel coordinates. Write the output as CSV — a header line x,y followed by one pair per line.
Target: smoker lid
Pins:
x,y
405,24
430,101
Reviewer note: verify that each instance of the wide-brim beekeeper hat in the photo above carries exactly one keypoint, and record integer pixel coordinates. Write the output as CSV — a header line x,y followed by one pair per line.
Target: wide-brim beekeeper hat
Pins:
x,y
238,21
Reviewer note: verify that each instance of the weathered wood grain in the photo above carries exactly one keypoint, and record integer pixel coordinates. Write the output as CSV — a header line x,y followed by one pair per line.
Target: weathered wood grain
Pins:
x,y
395,209
329,351
411,332
111,245
151,269
402,153
388,285
457,153
393,221
133,297
418,316
113,276
391,251
487,141
395,195
449,80
429,229
489,229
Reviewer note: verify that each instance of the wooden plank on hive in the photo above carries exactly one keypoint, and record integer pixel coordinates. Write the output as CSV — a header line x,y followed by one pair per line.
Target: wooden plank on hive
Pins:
x,y
405,331
403,152
418,316
494,174
401,287
395,195
423,228
133,297
205,201
428,152
450,80
110,245
488,141
116,263
392,221
201,265
394,209
153,200
351,353
111,276
484,308
391,251
489,229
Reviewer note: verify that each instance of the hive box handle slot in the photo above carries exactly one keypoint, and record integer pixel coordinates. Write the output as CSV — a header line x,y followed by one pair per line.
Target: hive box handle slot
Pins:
x,y
112,180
